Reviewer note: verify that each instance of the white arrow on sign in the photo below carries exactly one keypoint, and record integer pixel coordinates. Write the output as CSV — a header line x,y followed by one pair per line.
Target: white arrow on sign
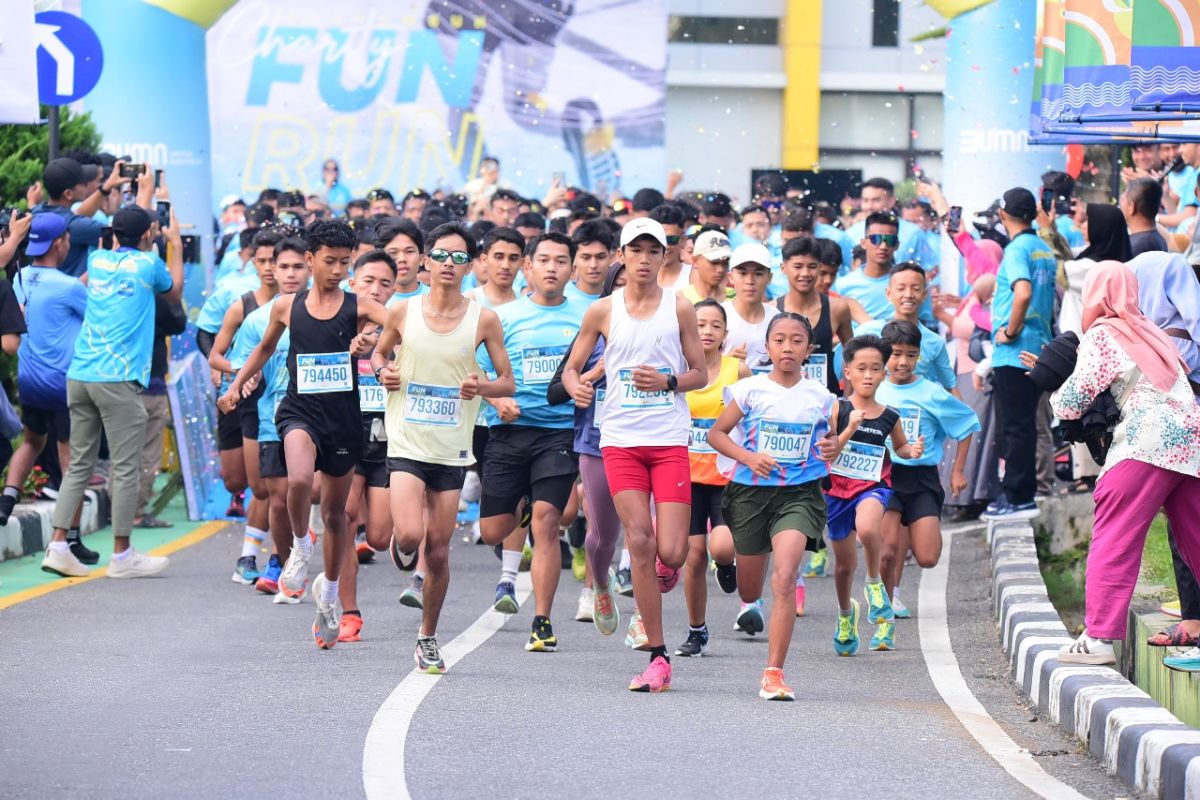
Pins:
x,y
47,39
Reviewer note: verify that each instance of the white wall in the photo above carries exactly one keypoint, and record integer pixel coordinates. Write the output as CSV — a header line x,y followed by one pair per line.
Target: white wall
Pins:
x,y
848,61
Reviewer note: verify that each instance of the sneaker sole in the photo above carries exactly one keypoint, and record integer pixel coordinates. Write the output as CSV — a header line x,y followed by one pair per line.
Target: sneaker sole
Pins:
x,y
1190,667
648,690
266,588
506,605
282,599
882,647
1093,660
540,647
411,601
785,696
703,652
322,643
625,592
53,571
243,581
583,617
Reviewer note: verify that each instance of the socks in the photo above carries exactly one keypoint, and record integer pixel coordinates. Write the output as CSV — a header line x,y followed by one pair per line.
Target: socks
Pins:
x,y
13,492
72,535
352,614
315,523
418,575
875,579
123,555
60,547
624,559
510,565
303,544
252,542
329,592
844,612
659,652
701,628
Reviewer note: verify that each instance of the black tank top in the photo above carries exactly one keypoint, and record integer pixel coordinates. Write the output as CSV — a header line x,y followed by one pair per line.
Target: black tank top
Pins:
x,y
822,341
335,413
870,431
249,303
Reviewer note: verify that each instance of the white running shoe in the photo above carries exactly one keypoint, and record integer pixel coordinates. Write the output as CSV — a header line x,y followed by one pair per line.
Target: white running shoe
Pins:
x,y
472,488
294,578
586,600
327,624
63,562
1086,650
137,565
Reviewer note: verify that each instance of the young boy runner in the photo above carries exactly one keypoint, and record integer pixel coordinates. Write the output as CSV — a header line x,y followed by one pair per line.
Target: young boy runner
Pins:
x,y
434,385
319,418
402,240
710,268
776,460
906,290
913,519
530,453
860,488
652,356
748,314
708,484
593,256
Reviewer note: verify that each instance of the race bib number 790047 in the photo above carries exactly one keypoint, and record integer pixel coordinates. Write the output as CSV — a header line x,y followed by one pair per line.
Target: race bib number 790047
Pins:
x,y
786,441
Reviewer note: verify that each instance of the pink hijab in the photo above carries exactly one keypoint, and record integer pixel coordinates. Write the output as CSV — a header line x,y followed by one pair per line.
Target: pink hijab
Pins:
x,y
1110,298
982,258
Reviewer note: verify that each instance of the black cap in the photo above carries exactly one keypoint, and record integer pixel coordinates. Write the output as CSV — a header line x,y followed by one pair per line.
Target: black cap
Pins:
x,y
1019,204
66,173
130,223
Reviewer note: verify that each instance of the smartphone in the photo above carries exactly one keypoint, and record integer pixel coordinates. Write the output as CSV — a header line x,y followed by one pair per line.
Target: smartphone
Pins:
x,y
1047,199
158,179
132,171
164,214
191,248
954,219
106,238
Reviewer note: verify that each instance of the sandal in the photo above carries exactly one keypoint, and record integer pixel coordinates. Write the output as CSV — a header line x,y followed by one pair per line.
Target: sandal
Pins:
x,y
1174,636
150,521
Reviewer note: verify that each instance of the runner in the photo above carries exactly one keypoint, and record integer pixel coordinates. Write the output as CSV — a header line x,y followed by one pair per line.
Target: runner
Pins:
x,y
593,255
906,291
828,316
653,355
748,314
776,461
434,385
529,452
402,241
710,268
869,285
318,419
859,491
708,484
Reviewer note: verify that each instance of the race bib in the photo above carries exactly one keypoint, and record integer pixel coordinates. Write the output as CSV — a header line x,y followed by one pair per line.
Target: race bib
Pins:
x,y
633,397
860,461
760,365
599,403
910,423
372,396
538,364
817,368
432,405
786,441
322,373
698,443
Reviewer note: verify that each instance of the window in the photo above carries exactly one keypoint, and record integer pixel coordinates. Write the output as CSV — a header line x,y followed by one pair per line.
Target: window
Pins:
x,y
723,30
885,25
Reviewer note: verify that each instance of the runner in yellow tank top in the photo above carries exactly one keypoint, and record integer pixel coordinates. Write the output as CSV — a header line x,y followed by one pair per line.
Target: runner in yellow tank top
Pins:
x,y
434,388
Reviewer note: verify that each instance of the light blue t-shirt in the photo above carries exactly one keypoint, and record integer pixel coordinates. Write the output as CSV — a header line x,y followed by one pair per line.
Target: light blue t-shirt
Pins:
x,y
212,313
116,340
870,292
823,231
913,246
398,296
249,334
1070,231
935,360
231,263
275,379
1183,184
537,338
1026,258
54,306
573,290
930,411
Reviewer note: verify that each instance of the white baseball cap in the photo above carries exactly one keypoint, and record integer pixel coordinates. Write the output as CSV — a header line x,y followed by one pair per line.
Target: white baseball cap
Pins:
x,y
712,245
750,253
643,226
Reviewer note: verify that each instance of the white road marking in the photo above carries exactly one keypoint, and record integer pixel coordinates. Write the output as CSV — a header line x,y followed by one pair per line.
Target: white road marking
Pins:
x,y
943,669
383,751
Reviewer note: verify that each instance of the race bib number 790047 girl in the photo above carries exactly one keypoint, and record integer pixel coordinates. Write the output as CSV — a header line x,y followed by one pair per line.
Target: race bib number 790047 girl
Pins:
x,y
786,441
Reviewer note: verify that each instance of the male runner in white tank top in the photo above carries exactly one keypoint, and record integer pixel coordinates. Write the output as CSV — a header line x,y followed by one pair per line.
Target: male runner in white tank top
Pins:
x,y
652,357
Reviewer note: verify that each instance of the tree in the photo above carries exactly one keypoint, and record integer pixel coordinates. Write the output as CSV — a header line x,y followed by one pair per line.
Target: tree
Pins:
x,y
24,150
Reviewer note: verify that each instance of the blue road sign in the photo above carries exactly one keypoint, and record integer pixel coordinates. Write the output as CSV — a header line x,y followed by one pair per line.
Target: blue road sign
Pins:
x,y
69,57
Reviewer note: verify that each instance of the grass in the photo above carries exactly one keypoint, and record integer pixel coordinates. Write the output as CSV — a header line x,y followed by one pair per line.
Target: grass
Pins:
x,y
1156,558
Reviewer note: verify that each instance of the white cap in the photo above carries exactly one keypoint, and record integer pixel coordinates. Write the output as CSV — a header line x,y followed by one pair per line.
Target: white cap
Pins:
x,y
712,245
750,253
229,200
643,226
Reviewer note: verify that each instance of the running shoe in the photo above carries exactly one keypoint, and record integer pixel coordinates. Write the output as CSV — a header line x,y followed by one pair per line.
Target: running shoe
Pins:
x,y
566,557
350,627
246,572
1172,609
526,558
1188,661
1086,650
605,614
667,576
773,687
587,602
236,507
137,565
1002,510
428,656
625,582
414,595
817,564
727,578
799,601
845,640
7,504
750,618
885,636
577,532
268,582
579,564
635,636
541,636
405,562
326,626
879,607
898,608
64,563
281,599
656,678
294,579
695,645
506,598
364,551
85,554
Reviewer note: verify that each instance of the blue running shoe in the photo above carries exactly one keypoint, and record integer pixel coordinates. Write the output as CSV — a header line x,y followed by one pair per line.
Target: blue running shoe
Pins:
x,y
246,572
898,608
817,565
845,641
879,607
885,637
750,618
506,598
268,582
1186,662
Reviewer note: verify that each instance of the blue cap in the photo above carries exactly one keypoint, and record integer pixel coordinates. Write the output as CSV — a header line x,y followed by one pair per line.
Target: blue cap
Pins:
x,y
45,229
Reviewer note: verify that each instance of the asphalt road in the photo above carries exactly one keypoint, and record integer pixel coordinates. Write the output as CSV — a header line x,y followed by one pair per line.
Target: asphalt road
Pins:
x,y
189,685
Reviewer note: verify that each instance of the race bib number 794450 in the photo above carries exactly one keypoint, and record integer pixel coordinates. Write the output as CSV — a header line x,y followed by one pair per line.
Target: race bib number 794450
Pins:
x,y
320,373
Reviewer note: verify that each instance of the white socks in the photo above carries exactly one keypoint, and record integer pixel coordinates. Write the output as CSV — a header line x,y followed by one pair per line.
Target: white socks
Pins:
x,y
329,592
303,544
315,523
510,565
624,559
252,542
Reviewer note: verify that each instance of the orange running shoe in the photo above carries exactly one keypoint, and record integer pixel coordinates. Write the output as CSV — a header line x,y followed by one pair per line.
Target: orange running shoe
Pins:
x,y
773,686
349,628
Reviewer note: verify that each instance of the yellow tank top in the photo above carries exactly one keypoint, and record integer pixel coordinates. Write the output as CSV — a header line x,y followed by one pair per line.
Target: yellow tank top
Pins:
x,y
705,405
426,419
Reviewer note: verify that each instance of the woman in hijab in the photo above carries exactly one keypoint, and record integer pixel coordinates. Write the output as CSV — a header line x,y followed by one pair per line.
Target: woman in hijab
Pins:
x,y
1153,462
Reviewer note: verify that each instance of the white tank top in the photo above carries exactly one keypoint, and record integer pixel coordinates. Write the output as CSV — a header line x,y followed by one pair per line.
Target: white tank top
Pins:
x,y
632,418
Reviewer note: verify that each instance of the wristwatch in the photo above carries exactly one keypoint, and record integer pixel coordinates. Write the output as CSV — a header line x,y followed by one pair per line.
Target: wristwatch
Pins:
x,y
672,383
377,371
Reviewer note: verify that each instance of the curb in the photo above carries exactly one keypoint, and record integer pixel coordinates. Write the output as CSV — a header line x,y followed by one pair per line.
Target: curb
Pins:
x,y
1137,740
28,530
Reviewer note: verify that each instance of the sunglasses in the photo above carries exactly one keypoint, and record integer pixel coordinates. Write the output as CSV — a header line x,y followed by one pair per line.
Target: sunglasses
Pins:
x,y
672,240
884,239
772,205
458,257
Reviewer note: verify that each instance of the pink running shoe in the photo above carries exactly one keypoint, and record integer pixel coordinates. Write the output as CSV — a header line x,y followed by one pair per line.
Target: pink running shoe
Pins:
x,y
656,678
799,601
667,577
